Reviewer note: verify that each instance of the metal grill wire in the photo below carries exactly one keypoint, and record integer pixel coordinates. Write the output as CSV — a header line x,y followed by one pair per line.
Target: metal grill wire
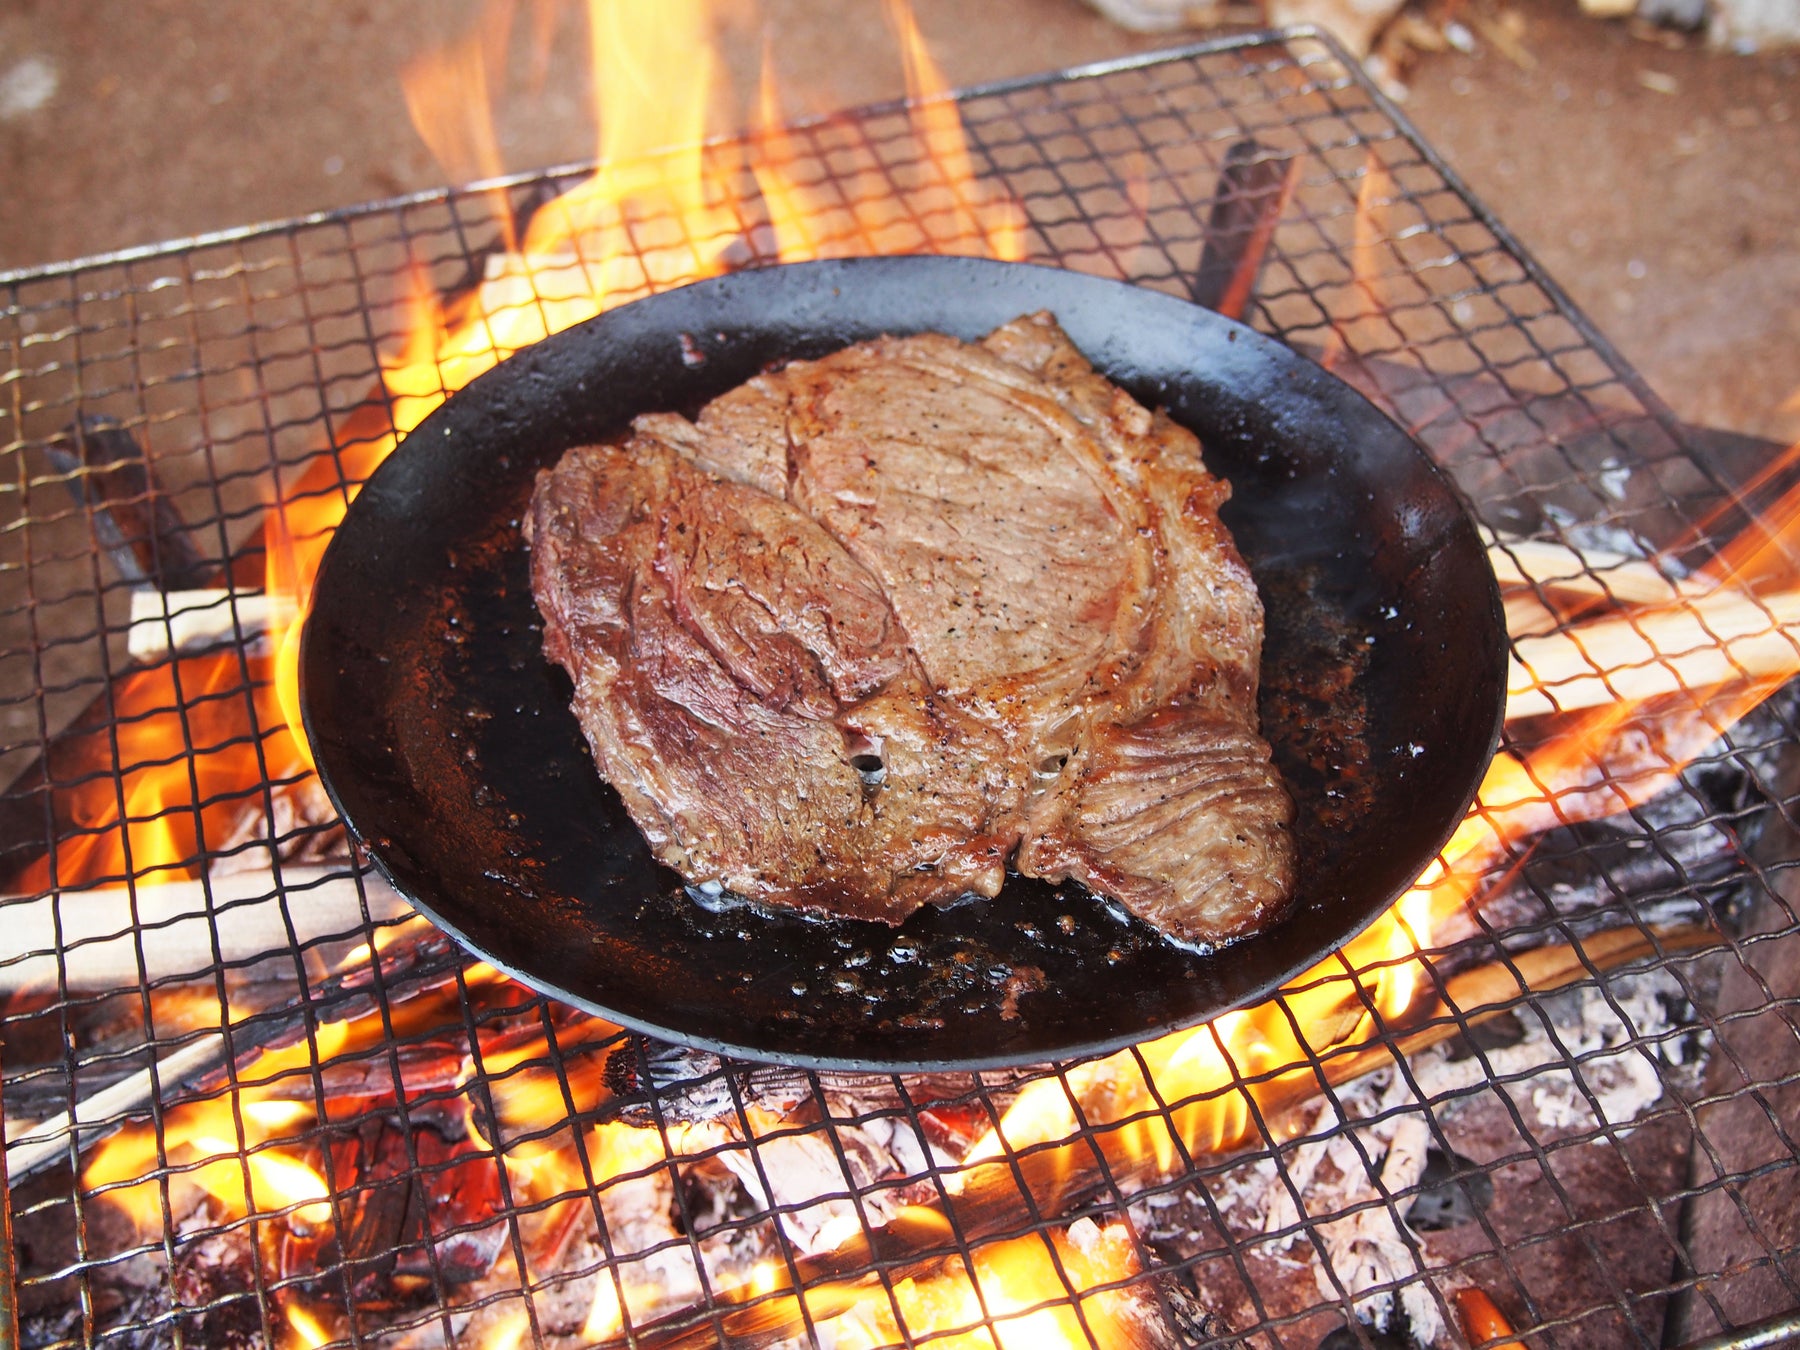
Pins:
x,y
241,362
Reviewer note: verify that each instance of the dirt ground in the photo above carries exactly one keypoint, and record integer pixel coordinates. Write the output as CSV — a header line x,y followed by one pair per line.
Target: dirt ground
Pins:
x,y
1652,178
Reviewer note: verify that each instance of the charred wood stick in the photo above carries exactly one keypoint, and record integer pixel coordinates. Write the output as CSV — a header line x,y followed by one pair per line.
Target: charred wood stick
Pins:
x,y
92,939
1727,636
134,519
59,1136
1251,194
999,1199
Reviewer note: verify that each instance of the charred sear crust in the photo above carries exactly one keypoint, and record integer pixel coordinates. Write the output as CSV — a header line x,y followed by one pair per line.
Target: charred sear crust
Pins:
x,y
875,626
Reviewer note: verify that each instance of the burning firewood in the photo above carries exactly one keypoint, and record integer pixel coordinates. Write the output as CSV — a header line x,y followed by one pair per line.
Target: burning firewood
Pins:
x,y
809,1177
1218,1094
114,937
1724,637
182,623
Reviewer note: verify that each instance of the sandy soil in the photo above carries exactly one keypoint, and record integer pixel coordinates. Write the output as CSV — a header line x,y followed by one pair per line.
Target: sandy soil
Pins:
x,y
1654,181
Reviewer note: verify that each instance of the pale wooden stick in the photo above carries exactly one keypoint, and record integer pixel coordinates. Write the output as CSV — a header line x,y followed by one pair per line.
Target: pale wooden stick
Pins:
x,y
1558,567
167,623
1722,637
174,926
48,1140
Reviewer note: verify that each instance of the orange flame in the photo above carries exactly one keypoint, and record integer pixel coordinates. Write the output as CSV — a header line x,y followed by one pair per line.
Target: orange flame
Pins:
x,y
168,802
201,1142
937,125
308,1332
1033,1289
448,95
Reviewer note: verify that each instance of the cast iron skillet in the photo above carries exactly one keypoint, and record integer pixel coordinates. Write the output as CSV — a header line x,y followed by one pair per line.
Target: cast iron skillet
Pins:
x,y
445,738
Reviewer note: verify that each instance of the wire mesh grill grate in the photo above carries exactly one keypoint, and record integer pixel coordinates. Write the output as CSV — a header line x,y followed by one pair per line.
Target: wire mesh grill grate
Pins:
x,y
347,1133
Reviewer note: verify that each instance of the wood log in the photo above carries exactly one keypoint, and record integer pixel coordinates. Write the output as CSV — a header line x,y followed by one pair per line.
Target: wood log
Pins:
x,y
181,623
1559,567
1726,636
92,939
50,1139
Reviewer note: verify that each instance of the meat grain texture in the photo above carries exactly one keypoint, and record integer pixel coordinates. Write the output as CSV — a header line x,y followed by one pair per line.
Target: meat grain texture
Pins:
x,y
878,624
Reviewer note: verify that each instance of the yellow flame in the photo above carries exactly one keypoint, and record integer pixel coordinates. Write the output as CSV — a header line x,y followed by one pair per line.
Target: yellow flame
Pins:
x,y
308,1332
773,166
605,1317
1030,1287
279,1180
206,1132
507,1332
448,94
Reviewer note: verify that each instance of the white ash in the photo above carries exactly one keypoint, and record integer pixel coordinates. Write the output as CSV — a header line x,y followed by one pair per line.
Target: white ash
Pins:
x,y
1623,1084
795,1167
1371,1255
1614,478
1589,536
639,1213
1367,1255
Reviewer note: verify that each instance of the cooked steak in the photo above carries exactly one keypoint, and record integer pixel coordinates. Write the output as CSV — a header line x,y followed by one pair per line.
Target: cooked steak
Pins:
x,y
878,623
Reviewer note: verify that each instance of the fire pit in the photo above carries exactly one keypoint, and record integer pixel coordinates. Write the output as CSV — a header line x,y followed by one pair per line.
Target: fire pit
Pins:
x,y
249,1099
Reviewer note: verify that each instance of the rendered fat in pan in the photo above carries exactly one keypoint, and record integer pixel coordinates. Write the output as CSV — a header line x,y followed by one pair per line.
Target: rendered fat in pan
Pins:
x,y
445,737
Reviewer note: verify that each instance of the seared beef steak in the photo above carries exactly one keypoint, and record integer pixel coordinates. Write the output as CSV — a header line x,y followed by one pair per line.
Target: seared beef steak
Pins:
x,y
877,623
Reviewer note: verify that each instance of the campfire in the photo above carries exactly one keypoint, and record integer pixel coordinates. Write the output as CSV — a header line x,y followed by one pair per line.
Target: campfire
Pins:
x,y
251,1098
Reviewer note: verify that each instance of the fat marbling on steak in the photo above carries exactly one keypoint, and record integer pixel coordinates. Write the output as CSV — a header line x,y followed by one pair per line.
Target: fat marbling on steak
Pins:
x,y
877,624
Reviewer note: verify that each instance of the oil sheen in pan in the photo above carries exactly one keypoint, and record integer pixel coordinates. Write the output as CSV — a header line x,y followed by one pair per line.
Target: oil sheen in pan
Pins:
x,y
446,739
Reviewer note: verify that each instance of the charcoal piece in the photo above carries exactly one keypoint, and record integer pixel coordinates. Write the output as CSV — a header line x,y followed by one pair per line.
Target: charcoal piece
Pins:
x,y
61,1327
711,1196
213,1283
1196,1323
1498,1032
1452,1191
1678,857
404,1227
648,1081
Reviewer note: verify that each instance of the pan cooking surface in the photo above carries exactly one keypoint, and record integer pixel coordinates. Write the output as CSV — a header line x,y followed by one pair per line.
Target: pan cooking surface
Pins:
x,y
445,737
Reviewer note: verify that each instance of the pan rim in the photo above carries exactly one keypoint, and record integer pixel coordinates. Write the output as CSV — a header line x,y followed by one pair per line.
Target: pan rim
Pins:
x,y
841,274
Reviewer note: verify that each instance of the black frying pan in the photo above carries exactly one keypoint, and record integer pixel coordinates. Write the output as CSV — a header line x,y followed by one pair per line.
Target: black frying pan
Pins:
x,y
445,738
